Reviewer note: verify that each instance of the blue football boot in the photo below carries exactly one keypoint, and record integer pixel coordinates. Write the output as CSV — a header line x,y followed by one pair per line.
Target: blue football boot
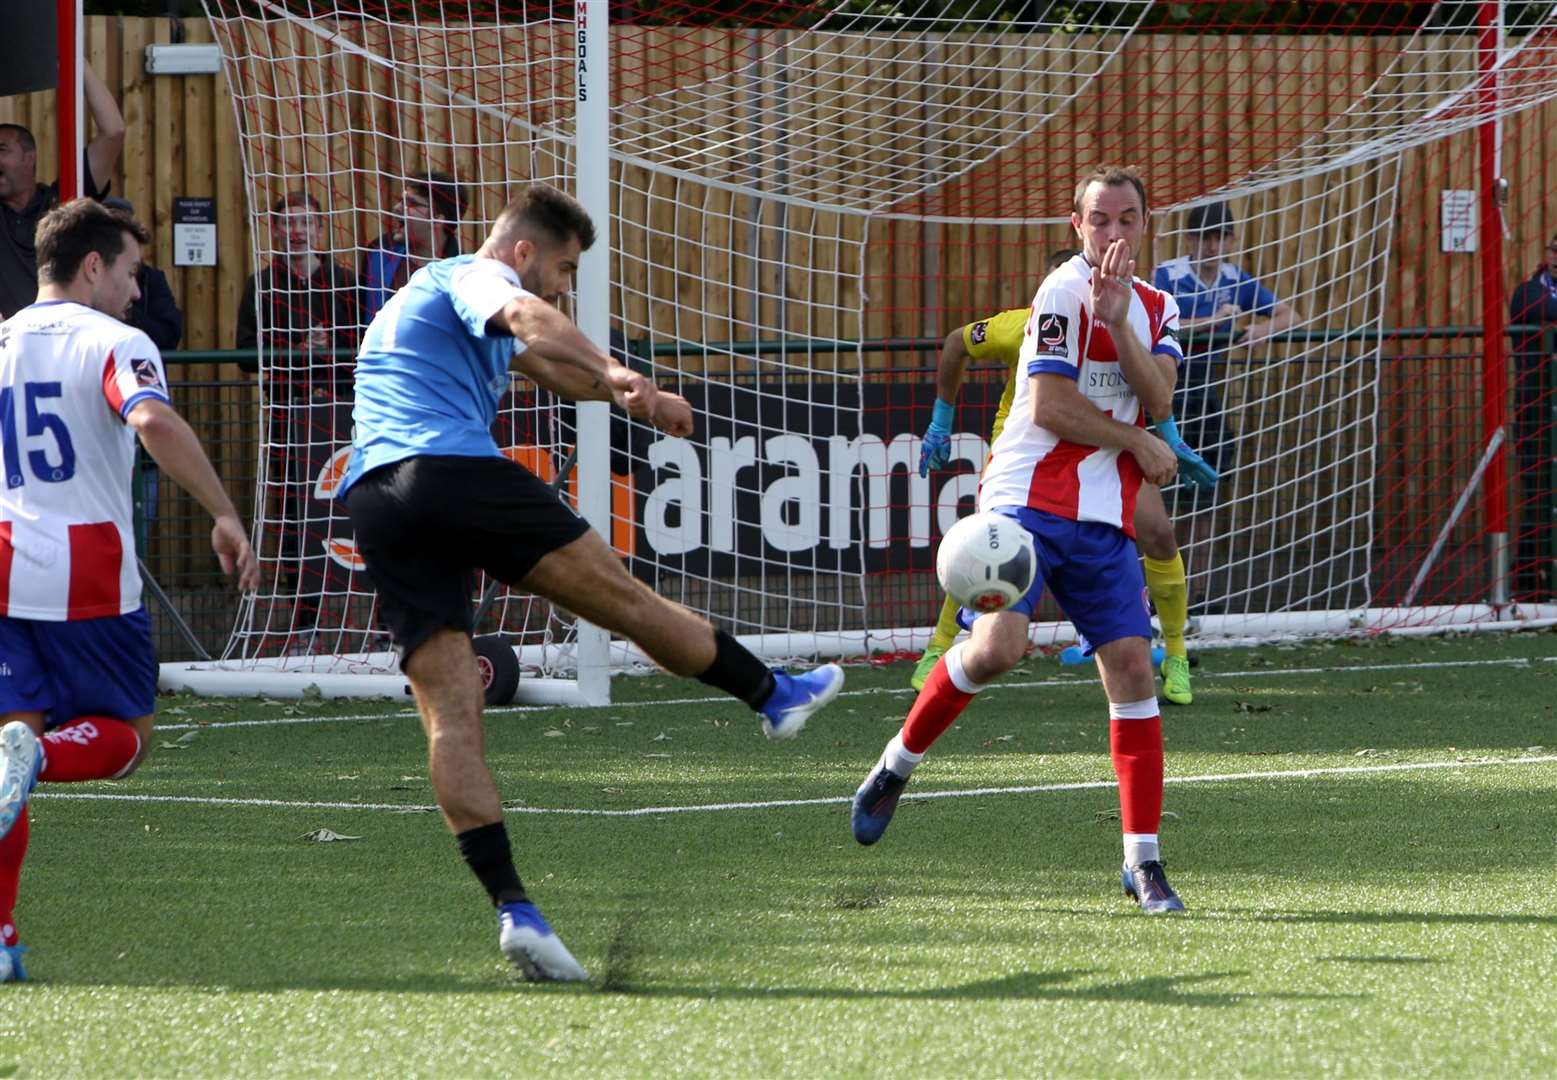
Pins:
x,y
796,697
532,946
1148,886
875,803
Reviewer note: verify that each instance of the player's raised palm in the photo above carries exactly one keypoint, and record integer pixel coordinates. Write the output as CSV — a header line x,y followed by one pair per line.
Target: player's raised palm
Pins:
x,y
1111,284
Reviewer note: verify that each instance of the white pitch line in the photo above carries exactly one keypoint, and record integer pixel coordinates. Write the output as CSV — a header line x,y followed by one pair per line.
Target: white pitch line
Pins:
x,y
778,804
880,691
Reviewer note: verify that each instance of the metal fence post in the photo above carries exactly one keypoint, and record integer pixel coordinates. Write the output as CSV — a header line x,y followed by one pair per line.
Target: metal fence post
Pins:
x,y
1546,509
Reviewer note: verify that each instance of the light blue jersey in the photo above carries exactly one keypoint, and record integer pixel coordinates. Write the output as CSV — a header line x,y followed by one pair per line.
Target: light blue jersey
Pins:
x,y
429,376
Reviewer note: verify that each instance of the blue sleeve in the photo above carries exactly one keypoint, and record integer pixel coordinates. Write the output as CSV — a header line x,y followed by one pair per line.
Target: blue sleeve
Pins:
x,y
1254,297
1042,366
1161,280
374,274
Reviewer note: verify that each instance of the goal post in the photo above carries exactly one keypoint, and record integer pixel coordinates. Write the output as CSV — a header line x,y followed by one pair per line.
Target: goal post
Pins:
x,y
798,200
592,168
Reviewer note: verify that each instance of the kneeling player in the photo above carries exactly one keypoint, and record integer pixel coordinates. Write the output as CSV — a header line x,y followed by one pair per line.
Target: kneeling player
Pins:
x,y
75,644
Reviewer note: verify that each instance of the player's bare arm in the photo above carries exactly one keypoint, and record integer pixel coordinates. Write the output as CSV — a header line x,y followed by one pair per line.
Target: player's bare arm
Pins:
x,y
1060,407
552,336
935,447
173,445
952,367
671,413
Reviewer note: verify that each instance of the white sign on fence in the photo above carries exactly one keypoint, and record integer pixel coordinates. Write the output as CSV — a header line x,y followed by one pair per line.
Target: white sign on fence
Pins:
x,y
1457,221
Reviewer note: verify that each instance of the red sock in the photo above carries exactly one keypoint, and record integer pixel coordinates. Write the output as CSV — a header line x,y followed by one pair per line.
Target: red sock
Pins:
x,y
934,710
1137,750
12,849
88,748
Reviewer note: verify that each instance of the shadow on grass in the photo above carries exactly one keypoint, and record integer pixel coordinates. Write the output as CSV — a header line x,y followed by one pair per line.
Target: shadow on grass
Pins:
x,y
1401,960
1369,918
1025,986
620,978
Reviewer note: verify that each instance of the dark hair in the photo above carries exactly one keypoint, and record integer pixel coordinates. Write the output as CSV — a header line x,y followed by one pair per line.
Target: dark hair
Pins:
x,y
1110,176
544,209
1210,218
72,230
1061,256
23,136
442,193
295,199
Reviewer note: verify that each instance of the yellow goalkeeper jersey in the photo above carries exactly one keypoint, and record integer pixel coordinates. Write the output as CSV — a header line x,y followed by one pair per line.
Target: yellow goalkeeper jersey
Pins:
x,y
998,337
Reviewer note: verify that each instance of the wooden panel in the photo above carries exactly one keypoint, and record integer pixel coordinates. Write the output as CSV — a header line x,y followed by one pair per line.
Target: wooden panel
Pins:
x,y
352,128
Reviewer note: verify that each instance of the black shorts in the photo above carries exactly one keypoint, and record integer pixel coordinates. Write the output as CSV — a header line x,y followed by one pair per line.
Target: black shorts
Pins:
x,y
425,525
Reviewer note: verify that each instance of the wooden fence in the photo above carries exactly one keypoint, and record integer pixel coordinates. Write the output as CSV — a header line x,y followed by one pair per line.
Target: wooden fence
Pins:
x,y
920,277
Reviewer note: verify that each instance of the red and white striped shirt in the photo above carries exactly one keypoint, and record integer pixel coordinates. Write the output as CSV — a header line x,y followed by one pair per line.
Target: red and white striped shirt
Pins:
x,y
69,375
1032,466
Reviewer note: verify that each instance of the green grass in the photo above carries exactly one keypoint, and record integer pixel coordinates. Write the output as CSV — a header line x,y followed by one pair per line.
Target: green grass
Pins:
x,y
1340,923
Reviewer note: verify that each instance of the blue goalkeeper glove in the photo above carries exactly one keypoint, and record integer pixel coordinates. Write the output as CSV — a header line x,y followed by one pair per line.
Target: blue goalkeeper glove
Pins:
x,y
1194,473
935,448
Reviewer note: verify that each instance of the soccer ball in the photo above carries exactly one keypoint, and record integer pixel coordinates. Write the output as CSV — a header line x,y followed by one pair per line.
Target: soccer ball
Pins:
x,y
986,562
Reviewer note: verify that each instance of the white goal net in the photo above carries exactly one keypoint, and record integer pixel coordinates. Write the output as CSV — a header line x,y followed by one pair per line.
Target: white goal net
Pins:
x,y
805,199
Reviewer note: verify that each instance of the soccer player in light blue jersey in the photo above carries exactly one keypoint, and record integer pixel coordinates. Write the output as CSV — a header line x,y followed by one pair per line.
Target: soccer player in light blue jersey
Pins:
x,y
432,500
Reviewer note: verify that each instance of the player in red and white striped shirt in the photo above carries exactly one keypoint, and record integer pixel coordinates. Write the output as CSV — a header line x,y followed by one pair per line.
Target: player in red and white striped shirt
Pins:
x,y
1099,346
78,675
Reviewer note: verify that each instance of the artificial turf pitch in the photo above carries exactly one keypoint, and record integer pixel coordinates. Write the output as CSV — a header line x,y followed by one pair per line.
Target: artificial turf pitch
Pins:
x,y
1364,835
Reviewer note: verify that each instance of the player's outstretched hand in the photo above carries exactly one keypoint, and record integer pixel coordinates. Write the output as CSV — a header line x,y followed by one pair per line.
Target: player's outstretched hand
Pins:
x,y
1111,284
1158,463
935,447
633,392
231,545
1196,473
673,414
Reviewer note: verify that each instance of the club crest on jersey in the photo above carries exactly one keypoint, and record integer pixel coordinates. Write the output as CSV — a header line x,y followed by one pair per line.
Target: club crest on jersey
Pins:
x,y
146,373
1052,333
978,332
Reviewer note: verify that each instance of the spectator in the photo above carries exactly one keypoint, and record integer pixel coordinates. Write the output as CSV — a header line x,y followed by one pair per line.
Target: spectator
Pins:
x,y
24,201
1213,294
1534,303
156,313
303,305
300,312
426,228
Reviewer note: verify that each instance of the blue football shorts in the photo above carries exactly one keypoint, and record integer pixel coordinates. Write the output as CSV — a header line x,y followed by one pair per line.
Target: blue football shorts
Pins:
x,y
88,667
1094,572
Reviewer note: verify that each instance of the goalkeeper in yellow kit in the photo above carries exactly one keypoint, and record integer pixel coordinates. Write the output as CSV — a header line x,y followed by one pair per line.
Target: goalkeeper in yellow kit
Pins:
x,y
999,338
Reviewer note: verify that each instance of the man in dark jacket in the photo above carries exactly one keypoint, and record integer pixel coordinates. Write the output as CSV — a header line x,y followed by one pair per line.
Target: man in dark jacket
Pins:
x,y
156,313
1535,303
24,201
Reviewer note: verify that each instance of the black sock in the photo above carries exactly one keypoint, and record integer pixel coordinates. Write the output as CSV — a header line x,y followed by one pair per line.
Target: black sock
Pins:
x,y
738,672
486,851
